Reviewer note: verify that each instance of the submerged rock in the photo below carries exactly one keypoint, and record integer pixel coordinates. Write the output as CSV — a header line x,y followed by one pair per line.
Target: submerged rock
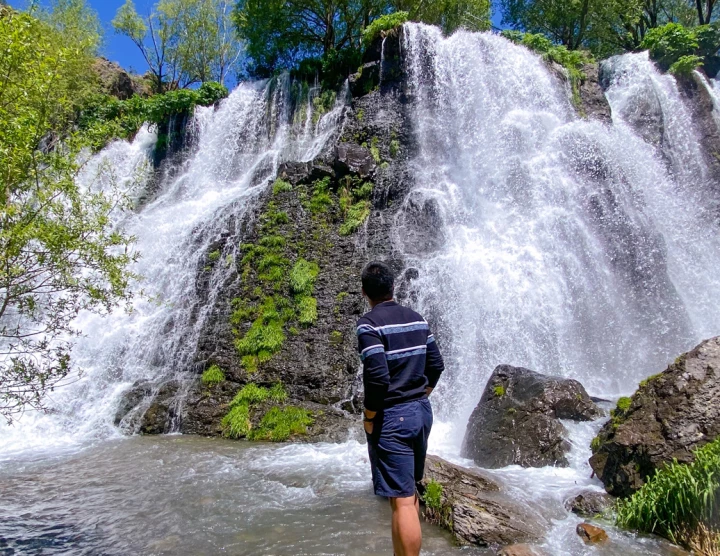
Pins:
x,y
670,415
520,550
591,534
589,503
517,419
474,509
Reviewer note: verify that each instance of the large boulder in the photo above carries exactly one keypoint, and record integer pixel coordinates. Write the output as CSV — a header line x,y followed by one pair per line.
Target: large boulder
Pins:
x,y
670,415
517,419
474,509
115,81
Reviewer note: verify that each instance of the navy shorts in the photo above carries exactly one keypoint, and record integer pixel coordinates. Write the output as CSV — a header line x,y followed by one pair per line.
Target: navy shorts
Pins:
x,y
397,448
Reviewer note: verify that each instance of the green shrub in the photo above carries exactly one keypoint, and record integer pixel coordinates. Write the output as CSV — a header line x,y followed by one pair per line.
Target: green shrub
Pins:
x,y
669,43
394,148
273,242
383,24
499,390
357,214
281,186
212,376
624,403
678,499
320,200
277,393
279,424
433,495
214,256
303,276
595,444
307,310
262,337
211,92
236,423
250,394
686,65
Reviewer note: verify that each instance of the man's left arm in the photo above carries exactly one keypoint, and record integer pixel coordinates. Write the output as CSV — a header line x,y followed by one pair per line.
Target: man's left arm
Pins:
x,y
434,364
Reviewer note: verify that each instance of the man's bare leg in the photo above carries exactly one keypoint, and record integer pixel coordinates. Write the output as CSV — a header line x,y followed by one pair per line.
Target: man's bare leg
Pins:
x,y
406,533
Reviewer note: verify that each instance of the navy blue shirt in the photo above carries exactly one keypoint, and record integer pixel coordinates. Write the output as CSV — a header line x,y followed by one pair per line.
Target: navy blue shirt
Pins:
x,y
399,354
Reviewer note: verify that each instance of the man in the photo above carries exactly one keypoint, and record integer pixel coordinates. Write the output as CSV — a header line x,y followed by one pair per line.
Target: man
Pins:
x,y
401,366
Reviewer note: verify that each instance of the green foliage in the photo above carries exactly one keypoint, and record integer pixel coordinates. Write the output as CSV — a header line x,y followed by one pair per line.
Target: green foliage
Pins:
x,y
280,186
623,404
303,276
213,376
307,310
60,251
357,214
277,393
104,117
336,338
183,42
394,148
279,424
669,43
595,444
214,256
382,25
678,498
236,424
450,15
320,200
499,390
264,338
433,495
649,379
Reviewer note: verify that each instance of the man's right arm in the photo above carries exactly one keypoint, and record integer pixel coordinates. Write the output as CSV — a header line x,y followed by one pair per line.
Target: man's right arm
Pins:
x,y
434,364
376,376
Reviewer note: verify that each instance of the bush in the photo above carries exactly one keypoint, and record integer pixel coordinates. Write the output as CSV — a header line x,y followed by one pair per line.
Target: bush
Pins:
x,y
279,424
303,276
433,495
678,500
383,24
686,65
281,186
307,310
357,214
213,376
669,43
236,423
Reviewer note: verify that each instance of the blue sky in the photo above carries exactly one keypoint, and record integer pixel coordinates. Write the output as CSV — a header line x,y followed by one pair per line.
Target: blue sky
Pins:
x,y
116,48
121,49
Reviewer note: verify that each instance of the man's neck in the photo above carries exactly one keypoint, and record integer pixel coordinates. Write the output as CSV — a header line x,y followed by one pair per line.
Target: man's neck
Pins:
x,y
374,303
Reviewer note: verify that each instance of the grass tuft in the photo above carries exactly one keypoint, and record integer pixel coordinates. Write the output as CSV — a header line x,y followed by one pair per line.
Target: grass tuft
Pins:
x,y
213,376
679,500
303,276
279,424
280,186
499,390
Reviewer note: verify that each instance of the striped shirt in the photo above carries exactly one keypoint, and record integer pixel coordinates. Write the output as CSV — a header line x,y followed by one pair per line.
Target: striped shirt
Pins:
x,y
399,355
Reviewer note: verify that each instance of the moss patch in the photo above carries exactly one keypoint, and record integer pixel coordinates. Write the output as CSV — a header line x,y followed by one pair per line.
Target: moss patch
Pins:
x,y
281,186
499,390
279,424
213,376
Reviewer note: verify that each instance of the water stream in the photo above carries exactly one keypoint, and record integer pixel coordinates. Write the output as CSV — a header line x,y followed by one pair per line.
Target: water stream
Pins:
x,y
568,246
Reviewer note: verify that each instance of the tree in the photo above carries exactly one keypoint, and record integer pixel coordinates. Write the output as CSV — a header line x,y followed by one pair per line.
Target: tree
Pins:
x,y
279,34
59,253
184,42
705,10
450,15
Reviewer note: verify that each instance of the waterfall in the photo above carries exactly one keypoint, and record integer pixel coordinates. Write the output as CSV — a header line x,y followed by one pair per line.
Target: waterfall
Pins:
x,y
237,150
567,246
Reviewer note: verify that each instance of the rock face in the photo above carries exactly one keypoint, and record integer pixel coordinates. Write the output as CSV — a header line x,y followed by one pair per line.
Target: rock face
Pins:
x,y
474,509
117,82
670,415
517,419
591,534
593,104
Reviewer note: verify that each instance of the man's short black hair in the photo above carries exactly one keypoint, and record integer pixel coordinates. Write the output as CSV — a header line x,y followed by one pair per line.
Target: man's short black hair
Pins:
x,y
378,281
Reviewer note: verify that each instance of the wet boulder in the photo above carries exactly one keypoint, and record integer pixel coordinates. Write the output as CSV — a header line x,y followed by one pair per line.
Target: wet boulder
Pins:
x,y
517,421
669,416
589,503
476,511
351,158
591,534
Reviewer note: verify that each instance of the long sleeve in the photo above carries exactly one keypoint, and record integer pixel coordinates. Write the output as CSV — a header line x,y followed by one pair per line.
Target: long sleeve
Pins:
x,y
376,376
434,364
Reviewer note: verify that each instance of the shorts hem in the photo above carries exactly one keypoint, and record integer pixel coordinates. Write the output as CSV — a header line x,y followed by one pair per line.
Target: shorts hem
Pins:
x,y
388,494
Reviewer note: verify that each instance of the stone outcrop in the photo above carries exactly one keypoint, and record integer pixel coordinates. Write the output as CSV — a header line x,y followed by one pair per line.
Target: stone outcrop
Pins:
x,y
669,416
317,362
115,81
475,510
517,419
592,102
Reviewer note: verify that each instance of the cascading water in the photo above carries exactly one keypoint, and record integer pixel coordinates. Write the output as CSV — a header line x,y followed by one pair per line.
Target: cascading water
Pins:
x,y
238,148
567,246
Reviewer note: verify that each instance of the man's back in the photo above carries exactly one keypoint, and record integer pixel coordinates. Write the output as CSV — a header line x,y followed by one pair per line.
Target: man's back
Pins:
x,y
398,339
